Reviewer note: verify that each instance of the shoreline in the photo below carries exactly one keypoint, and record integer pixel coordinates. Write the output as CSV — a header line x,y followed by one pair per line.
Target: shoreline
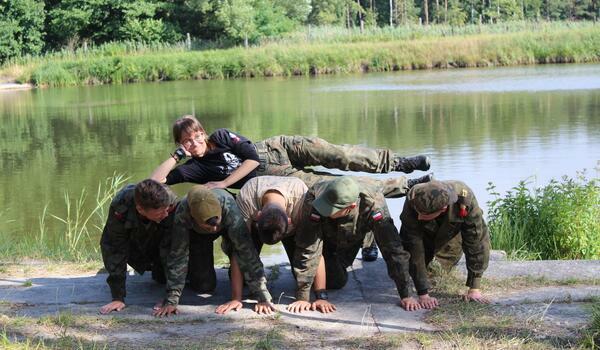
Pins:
x,y
287,60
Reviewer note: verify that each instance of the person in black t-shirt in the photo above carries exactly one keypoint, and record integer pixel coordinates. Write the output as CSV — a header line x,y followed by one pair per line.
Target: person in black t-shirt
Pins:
x,y
226,159
223,159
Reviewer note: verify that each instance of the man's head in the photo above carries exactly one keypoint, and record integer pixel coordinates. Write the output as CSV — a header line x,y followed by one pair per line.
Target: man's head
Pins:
x,y
153,200
431,199
338,198
205,208
272,224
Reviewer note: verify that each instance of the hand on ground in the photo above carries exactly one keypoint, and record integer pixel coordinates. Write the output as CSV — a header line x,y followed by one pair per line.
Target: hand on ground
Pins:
x,y
475,295
323,305
234,305
428,302
265,308
299,306
165,310
116,305
410,304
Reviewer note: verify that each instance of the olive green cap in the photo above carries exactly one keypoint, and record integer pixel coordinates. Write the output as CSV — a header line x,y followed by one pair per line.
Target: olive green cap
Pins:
x,y
431,196
203,204
338,194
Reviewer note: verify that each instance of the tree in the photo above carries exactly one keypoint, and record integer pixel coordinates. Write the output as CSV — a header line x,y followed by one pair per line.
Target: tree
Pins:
x,y
21,28
75,21
237,18
455,15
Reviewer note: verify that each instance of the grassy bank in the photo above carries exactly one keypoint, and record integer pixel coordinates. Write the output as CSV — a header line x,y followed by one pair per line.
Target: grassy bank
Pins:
x,y
560,220
346,54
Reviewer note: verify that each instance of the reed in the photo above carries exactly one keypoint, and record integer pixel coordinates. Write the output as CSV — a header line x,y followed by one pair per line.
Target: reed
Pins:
x,y
374,51
78,229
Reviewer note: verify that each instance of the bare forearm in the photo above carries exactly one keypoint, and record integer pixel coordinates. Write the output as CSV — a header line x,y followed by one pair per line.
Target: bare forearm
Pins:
x,y
320,281
160,174
247,166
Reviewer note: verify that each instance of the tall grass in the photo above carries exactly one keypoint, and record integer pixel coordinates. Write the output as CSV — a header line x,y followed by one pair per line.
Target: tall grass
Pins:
x,y
331,55
77,234
560,220
337,34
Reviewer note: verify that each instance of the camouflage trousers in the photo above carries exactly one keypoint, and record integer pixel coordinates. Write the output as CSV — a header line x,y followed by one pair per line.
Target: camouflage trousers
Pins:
x,y
201,276
290,155
448,255
337,262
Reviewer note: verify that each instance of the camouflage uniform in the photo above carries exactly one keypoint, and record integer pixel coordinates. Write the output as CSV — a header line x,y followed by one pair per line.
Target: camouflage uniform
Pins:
x,y
289,155
236,241
446,236
130,239
338,240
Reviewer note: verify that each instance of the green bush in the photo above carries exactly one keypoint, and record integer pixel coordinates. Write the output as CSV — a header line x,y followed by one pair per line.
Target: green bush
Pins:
x,y
558,221
21,28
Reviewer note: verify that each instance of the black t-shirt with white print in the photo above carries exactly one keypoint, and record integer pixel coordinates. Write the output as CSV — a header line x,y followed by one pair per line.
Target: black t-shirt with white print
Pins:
x,y
217,164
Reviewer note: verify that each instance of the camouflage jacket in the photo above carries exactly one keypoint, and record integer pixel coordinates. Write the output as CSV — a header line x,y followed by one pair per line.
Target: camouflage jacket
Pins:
x,y
438,232
371,214
236,241
128,238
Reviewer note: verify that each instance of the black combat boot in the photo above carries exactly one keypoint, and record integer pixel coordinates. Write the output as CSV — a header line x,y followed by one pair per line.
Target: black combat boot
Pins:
x,y
410,164
419,180
370,253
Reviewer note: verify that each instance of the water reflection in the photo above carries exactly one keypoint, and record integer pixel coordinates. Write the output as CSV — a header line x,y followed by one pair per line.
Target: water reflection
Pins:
x,y
501,125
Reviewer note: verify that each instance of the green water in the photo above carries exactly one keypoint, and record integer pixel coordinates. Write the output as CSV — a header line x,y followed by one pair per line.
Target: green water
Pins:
x,y
500,125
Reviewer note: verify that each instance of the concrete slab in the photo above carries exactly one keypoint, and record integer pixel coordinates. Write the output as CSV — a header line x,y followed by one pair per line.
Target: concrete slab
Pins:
x,y
368,305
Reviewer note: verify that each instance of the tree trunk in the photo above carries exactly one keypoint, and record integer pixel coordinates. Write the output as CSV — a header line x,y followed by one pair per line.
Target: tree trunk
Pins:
x,y
391,13
426,10
437,11
445,11
360,17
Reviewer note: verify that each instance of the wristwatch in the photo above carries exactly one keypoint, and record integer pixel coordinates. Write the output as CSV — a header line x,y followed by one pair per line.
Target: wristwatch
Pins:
x,y
321,294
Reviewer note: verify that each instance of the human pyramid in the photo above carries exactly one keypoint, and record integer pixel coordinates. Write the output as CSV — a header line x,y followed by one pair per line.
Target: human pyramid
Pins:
x,y
322,220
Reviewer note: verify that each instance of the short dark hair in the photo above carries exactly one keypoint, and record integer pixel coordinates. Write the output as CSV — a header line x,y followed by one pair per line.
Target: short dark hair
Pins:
x,y
151,194
188,124
272,224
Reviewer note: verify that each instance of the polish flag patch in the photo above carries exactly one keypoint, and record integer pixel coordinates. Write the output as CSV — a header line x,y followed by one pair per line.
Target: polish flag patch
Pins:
x,y
234,137
377,216
315,217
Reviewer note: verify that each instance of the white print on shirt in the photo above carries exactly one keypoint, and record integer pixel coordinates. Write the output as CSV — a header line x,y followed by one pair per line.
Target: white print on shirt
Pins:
x,y
232,162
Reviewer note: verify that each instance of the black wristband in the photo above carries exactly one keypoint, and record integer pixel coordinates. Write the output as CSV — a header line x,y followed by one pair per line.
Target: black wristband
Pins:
x,y
179,154
321,294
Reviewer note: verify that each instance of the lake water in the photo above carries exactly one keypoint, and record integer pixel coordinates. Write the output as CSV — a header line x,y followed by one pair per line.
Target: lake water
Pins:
x,y
499,125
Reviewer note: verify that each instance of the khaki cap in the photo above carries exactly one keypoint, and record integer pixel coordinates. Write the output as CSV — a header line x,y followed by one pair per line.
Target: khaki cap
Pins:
x,y
203,204
338,194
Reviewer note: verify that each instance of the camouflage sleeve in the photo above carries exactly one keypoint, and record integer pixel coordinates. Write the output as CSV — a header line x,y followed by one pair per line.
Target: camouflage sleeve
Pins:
x,y
177,257
476,244
309,247
114,245
243,248
388,240
412,239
